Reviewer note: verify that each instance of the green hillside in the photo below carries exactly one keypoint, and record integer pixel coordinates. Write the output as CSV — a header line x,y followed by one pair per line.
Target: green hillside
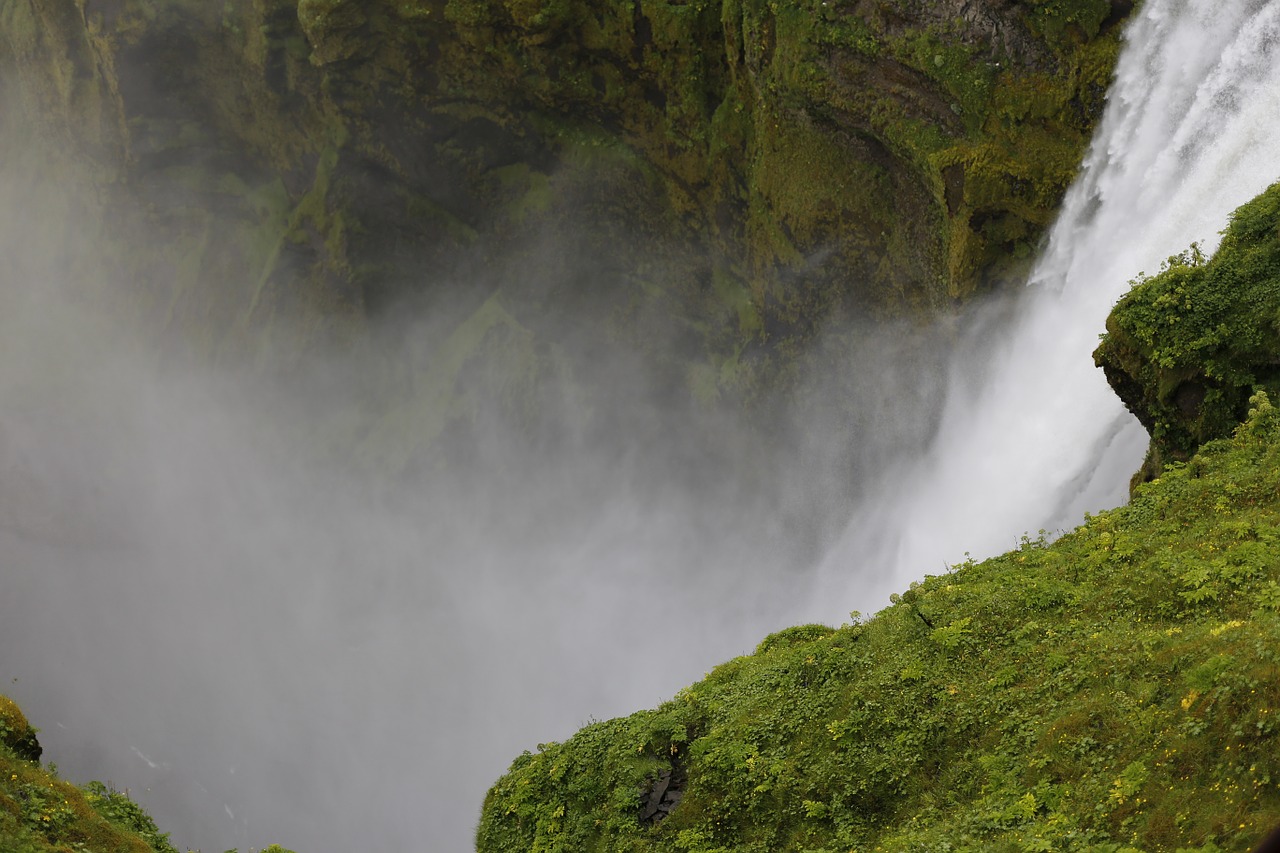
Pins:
x,y
1116,689
40,813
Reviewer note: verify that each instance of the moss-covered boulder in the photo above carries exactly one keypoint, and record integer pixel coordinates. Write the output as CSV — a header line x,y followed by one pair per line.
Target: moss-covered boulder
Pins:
x,y
1186,348
16,734
1117,689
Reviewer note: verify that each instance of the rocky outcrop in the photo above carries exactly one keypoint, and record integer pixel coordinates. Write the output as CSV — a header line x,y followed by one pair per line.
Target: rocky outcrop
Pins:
x,y
1188,347
666,792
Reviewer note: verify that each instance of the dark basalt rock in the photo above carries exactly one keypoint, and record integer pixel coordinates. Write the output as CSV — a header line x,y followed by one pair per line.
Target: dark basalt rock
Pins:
x,y
664,795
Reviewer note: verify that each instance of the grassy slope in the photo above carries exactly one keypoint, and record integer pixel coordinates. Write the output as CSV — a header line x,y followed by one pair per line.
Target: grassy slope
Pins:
x,y
40,813
1115,689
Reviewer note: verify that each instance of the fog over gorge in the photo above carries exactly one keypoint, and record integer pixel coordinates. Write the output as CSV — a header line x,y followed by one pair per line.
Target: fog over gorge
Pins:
x,y
226,590
269,570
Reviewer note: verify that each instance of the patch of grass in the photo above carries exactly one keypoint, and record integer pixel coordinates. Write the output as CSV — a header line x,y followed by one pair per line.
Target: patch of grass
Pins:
x,y
40,813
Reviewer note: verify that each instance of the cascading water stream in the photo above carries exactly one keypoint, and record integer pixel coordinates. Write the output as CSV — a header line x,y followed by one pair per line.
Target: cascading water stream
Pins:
x,y
1038,439
280,659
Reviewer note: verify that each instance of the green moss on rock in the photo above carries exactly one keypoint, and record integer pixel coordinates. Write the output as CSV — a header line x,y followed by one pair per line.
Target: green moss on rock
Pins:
x,y
41,813
830,158
16,734
1186,348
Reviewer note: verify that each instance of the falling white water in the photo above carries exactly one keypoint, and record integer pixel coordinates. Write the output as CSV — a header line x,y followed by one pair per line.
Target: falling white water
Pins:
x,y
1190,133
266,644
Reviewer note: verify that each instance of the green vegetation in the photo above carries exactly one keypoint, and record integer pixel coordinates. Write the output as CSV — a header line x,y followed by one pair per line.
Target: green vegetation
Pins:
x,y
1186,347
1117,689
936,148
40,813
1114,690
16,734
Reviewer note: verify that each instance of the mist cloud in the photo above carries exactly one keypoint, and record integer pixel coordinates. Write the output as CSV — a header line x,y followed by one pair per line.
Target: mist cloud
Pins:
x,y
321,602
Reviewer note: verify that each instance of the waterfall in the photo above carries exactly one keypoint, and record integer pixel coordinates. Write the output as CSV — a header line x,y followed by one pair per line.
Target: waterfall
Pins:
x,y
264,654
1035,439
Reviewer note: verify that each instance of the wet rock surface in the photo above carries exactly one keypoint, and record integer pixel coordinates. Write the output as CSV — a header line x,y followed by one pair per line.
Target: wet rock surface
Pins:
x,y
664,795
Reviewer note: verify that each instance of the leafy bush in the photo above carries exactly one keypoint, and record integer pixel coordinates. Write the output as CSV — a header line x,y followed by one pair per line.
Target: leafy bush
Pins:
x,y
123,812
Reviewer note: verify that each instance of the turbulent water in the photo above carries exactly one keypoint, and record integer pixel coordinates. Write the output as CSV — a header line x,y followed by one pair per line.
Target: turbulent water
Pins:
x,y
1031,437
265,653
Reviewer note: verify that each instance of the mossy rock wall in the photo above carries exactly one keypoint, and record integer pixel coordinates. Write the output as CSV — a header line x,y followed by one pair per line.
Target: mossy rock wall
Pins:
x,y
748,169
1186,348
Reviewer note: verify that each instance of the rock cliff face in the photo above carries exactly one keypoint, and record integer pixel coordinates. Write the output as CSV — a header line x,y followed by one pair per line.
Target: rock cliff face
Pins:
x,y
739,171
